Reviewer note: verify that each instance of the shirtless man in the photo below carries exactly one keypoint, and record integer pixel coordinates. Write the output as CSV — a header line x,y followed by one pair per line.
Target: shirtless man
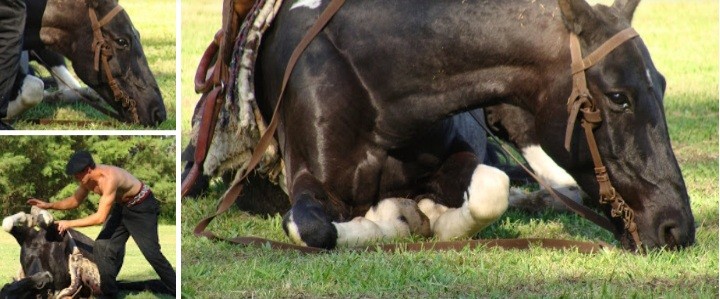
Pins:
x,y
126,208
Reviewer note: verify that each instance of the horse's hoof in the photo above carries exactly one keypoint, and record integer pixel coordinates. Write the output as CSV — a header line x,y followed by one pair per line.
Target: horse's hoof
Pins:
x,y
45,219
17,219
307,224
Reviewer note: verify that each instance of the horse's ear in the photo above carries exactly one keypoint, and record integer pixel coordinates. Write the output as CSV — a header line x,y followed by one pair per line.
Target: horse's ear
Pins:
x,y
626,7
577,15
92,3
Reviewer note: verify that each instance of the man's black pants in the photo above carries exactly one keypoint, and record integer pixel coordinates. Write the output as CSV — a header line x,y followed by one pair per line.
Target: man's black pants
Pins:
x,y
140,222
12,24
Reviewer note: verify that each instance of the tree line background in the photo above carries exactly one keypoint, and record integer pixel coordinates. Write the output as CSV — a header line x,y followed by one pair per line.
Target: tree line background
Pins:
x,y
34,166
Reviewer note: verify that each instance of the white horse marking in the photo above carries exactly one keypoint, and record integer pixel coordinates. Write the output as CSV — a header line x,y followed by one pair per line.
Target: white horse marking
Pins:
x,y
487,201
546,168
31,94
17,219
42,216
294,232
390,218
551,173
64,79
311,4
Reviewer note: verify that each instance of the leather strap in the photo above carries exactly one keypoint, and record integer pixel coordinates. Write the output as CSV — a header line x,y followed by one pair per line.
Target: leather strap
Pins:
x,y
604,49
506,244
580,95
580,101
213,85
98,39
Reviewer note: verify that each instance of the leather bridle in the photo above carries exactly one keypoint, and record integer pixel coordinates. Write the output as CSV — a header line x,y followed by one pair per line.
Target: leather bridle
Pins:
x,y
581,102
103,51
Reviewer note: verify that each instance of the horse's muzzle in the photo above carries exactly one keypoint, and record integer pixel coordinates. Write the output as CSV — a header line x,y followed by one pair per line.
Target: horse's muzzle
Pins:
x,y
157,115
672,235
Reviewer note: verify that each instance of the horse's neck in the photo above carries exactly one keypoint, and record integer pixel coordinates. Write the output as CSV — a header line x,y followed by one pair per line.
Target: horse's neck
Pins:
x,y
468,59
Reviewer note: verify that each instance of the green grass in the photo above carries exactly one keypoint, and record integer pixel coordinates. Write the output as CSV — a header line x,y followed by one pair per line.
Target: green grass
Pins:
x,y
155,20
682,36
135,268
200,21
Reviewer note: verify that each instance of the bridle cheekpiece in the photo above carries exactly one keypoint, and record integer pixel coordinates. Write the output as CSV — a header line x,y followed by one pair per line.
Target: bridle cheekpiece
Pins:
x,y
581,101
104,51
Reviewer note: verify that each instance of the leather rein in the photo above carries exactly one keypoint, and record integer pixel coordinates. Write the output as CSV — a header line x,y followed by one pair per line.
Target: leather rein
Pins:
x,y
580,101
212,83
103,51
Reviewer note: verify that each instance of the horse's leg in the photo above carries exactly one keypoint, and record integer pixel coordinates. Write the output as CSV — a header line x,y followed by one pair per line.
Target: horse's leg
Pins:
x,y
309,221
518,126
55,63
485,201
314,222
390,218
29,95
19,219
42,217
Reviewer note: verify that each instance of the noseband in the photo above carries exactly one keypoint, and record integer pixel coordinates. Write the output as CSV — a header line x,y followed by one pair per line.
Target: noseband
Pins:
x,y
581,101
103,50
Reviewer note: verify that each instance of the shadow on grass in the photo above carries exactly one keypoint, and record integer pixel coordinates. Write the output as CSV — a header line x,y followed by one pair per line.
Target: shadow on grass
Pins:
x,y
154,286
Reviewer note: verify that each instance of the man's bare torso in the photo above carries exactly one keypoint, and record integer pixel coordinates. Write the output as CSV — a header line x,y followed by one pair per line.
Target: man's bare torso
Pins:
x,y
127,185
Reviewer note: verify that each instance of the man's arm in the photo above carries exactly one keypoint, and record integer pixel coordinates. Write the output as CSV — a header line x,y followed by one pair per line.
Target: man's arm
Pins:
x,y
66,204
109,190
104,206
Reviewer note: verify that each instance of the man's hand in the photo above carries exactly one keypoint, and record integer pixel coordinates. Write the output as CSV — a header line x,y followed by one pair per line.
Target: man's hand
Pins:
x,y
39,203
63,225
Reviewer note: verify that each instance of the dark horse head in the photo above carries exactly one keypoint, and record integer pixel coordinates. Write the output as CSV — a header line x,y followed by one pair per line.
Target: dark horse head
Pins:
x,y
633,137
67,28
37,285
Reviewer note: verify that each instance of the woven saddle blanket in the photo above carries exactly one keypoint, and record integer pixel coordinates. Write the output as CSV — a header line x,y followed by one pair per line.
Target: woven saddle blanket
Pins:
x,y
240,124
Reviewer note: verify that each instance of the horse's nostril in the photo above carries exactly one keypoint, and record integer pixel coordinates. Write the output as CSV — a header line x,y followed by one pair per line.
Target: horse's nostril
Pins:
x,y
670,234
158,115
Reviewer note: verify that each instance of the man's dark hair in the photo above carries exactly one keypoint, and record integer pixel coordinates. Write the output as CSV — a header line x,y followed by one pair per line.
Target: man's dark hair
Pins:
x,y
78,162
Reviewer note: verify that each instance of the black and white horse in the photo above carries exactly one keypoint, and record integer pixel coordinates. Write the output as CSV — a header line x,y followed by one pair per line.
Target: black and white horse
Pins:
x,y
67,259
366,115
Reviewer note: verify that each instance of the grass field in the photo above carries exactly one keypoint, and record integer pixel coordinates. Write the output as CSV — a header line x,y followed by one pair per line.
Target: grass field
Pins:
x,y
682,37
155,20
135,268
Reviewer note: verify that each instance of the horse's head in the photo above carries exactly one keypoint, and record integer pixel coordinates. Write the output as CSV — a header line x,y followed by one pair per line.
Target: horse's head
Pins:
x,y
632,138
38,285
67,27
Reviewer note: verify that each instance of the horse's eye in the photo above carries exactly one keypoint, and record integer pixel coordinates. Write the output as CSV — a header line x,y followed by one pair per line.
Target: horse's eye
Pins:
x,y
121,42
619,99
